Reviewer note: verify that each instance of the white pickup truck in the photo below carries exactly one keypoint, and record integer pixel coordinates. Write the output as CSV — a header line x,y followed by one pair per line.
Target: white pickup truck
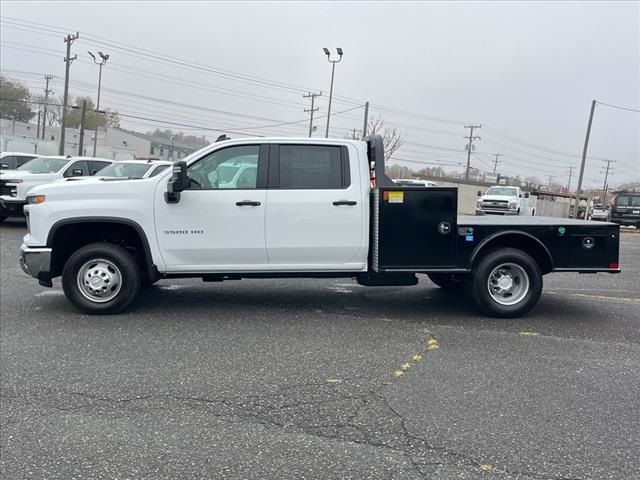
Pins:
x,y
499,200
15,184
282,207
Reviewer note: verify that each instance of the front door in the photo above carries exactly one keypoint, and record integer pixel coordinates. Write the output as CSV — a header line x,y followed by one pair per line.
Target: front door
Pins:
x,y
218,224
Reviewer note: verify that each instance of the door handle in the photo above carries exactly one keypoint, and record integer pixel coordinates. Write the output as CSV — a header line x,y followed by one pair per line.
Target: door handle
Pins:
x,y
345,202
248,203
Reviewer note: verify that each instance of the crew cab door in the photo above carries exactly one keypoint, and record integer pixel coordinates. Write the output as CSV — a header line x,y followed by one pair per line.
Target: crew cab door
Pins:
x,y
315,208
218,224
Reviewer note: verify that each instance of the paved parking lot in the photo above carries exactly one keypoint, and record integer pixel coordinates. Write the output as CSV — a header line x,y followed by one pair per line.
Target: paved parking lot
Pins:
x,y
320,379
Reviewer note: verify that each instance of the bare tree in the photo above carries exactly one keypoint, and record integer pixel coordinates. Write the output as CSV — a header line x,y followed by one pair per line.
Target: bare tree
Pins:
x,y
391,137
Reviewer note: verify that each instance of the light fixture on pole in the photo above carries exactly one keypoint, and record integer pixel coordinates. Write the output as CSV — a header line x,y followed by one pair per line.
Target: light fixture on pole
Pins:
x,y
333,69
101,62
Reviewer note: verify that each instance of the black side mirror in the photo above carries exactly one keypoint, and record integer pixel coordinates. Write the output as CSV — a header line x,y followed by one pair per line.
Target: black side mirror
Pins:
x,y
526,194
178,182
76,172
479,193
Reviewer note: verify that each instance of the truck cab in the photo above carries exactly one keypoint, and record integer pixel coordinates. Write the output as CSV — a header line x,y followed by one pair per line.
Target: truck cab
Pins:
x,y
287,207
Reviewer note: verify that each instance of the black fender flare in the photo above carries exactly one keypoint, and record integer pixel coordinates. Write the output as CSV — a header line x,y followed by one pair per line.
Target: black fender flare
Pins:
x,y
490,238
152,270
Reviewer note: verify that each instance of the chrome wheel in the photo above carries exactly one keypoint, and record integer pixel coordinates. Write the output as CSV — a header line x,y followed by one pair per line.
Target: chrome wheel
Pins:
x,y
99,280
508,284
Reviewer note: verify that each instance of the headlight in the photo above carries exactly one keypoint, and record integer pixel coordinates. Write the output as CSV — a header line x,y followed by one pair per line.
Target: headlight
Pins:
x,y
36,199
513,204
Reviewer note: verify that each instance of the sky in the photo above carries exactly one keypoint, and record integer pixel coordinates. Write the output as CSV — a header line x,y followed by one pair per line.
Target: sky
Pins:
x,y
527,72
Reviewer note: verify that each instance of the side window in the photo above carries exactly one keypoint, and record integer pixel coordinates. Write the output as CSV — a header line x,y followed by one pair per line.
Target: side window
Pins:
x,y
9,162
22,160
323,167
95,166
228,168
159,169
77,169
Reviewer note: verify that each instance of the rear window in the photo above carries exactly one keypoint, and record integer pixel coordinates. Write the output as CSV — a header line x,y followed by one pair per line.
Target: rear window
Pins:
x,y
317,167
628,200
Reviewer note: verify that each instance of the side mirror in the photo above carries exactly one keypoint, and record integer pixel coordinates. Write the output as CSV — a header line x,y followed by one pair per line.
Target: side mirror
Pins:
x,y
76,172
526,194
178,182
479,193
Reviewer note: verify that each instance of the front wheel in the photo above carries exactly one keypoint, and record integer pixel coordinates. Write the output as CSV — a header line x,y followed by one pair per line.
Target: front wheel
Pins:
x,y
101,278
506,283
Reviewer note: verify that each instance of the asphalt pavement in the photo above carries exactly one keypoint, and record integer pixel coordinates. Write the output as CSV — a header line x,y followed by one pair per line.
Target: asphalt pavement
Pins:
x,y
306,379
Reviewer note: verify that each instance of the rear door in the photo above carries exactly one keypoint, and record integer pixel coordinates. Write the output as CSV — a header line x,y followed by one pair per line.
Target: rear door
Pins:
x,y
314,217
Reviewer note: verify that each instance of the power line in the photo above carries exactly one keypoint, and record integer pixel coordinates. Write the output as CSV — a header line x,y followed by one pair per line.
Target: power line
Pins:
x,y
619,108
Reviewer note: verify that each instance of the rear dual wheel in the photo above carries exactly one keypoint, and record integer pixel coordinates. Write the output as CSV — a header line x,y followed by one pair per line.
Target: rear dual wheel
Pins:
x,y
506,283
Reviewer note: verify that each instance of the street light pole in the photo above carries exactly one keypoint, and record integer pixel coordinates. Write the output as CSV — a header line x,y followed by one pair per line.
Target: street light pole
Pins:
x,y
103,60
333,71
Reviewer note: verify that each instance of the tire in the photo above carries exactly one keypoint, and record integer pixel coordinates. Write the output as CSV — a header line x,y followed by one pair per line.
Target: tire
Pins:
x,y
520,290
118,278
447,281
533,213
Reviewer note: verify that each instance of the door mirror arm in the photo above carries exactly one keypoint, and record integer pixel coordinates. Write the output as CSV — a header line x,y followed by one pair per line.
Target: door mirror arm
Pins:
x,y
178,182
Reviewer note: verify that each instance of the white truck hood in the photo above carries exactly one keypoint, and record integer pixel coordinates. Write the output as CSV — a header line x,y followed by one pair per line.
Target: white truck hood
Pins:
x,y
27,176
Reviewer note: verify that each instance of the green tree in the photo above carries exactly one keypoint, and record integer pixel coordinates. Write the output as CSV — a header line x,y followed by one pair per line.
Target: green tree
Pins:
x,y
13,98
74,116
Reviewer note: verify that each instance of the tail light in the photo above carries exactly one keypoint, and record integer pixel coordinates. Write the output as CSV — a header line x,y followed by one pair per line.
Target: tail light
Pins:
x,y
614,265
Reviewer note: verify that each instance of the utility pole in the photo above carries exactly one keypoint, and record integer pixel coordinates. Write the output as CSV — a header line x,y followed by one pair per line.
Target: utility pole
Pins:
x,y
469,147
69,39
38,132
366,119
606,175
312,96
46,97
82,117
584,159
551,177
103,60
495,163
333,71
571,169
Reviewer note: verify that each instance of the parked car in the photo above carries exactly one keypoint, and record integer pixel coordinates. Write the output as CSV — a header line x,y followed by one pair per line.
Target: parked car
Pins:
x,y
625,209
15,184
13,160
600,213
310,212
501,200
409,182
131,169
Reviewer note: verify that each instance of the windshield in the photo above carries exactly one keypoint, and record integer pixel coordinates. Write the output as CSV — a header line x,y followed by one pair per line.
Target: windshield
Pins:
x,y
125,170
44,165
506,192
628,200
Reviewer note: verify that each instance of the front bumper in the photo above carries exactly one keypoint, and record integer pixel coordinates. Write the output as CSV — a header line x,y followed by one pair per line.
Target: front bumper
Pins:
x,y
11,207
36,261
488,211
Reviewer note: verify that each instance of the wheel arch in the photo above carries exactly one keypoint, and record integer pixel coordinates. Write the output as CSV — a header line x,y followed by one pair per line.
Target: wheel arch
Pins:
x,y
518,240
65,236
